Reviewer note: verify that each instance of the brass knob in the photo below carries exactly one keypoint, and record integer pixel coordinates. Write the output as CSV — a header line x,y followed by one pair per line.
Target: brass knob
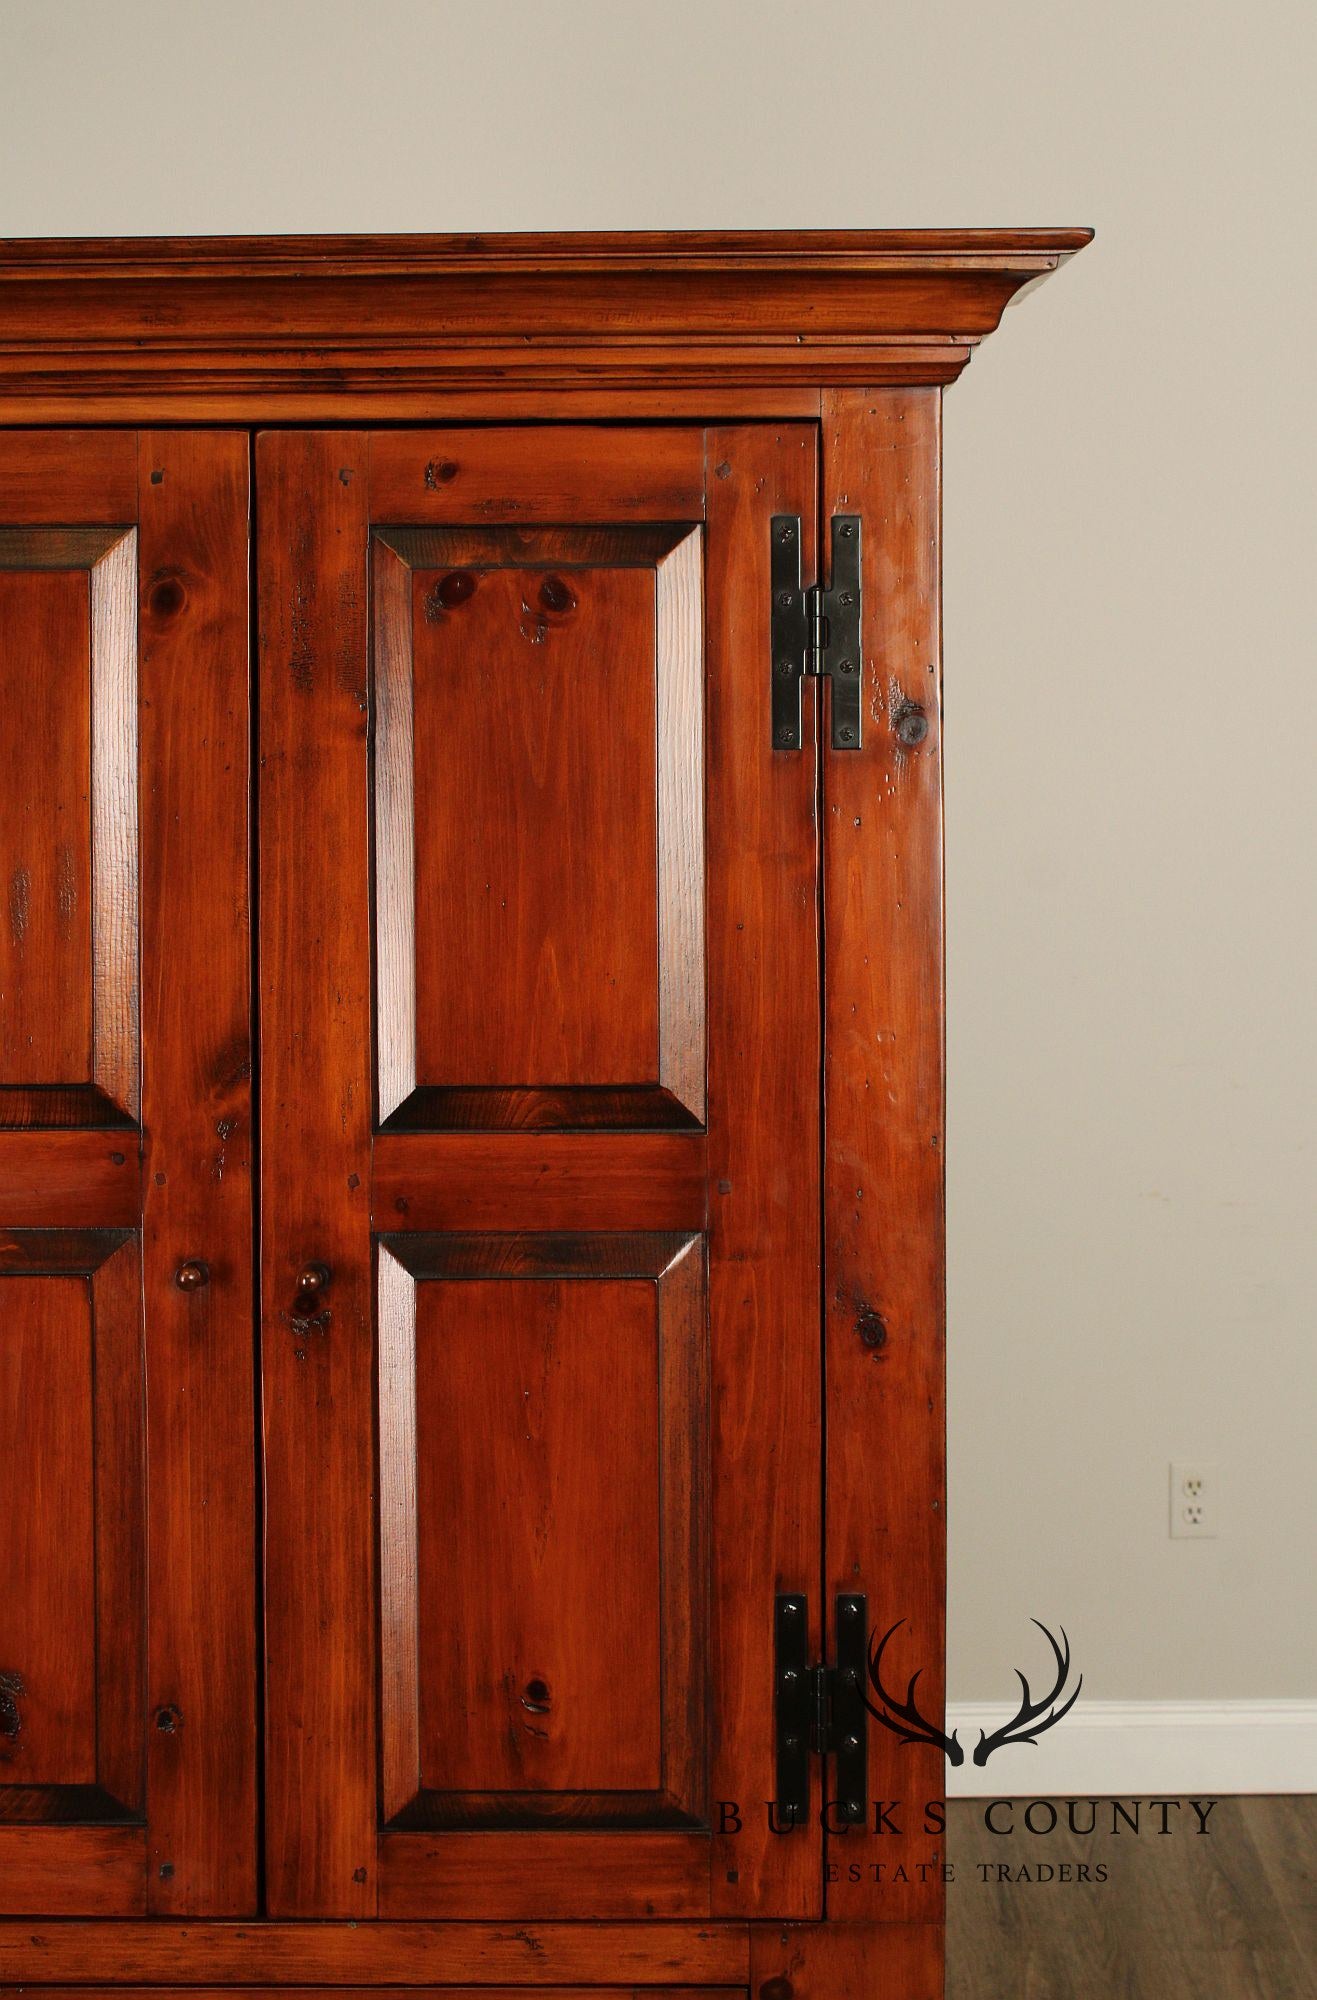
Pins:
x,y
191,1276
311,1281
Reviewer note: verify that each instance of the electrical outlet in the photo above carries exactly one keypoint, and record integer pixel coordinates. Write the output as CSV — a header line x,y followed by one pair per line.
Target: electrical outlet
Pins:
x,y
1193,1500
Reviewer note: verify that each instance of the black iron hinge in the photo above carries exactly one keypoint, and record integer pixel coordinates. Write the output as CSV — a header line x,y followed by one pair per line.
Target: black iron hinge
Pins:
x,y
816,631
819,1711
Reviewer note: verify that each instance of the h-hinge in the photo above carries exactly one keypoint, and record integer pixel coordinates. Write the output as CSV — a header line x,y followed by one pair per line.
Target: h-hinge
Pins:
x,y
815,631
819,1710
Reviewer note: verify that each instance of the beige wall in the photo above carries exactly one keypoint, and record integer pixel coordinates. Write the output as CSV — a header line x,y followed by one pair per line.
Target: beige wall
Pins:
x,y
1130,670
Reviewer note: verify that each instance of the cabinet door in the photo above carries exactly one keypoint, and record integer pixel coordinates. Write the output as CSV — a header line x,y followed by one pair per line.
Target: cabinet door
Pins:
x,y
540,1173
127,1608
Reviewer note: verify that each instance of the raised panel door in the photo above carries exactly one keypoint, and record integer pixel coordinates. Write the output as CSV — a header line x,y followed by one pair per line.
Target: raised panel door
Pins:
x,y
127,1657
541,1344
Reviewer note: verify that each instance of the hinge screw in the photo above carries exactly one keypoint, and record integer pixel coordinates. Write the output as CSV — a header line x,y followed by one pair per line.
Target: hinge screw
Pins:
x,y
785,737
845,666
845,735
785,668
786,598
846,531
785,532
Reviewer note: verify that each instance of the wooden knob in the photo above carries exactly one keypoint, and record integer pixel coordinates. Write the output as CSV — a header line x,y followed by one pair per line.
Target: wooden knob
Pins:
x,y
311,1280
191,1276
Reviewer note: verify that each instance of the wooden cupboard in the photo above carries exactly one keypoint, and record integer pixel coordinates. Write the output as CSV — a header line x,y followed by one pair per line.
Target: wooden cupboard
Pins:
x,y
471,1107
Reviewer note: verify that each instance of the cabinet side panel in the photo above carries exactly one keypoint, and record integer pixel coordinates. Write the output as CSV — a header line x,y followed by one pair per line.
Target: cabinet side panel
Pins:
x,y
883,1110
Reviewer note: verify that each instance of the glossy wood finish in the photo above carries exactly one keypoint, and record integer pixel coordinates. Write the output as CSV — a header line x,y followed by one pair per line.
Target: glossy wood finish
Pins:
x,y
648,1954
610,1992
583,1695
542,1186
541,667
69,1047
847,1961
544,716
320,1690
128,1784
883,1119
260,329
197,1166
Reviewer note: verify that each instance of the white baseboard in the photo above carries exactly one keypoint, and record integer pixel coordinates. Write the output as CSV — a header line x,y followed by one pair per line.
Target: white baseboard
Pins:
x,y
1143,1749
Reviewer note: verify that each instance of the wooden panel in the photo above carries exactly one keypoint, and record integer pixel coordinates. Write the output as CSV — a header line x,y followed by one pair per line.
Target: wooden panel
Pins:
x,y
72,1628
534,756
888,1961
884,1229
72,1180
73,1871
54,477
45,831
412,1954
385,1992
68,827
48,1612
544,1660
576,1180
197,1059
315,1177
516,1875
573,475
539,880
763,1159
539,1659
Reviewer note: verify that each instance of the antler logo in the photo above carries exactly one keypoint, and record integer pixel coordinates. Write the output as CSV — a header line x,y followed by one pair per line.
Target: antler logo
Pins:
x,y
1025,1726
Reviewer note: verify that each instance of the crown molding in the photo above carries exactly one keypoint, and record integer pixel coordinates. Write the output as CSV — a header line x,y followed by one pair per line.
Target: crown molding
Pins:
x,y
416,326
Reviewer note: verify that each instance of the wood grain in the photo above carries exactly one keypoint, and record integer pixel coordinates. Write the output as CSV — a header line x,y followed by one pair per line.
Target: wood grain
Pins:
x,y
572,1180
835,1961
310,327
411,1954
72,1871
196,1042
320,1788
45,835
68,826
493,683
69,1180
565,475
763,1161
56,477
47,1618
883,1084
536,897
1232,1914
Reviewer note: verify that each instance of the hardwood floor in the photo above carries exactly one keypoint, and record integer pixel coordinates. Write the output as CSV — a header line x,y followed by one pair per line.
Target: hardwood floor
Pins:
x,y
1230,1915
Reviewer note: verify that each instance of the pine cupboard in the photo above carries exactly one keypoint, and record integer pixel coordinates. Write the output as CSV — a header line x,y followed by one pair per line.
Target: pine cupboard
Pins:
x,y
471,1254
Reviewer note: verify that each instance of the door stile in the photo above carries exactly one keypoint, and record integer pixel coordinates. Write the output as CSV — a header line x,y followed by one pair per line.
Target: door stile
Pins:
x,y
764,1173
316,1341
197,1174
883,1107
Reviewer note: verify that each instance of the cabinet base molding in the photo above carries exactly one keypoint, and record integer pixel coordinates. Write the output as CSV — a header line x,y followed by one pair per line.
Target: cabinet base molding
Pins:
x,y
664,1960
